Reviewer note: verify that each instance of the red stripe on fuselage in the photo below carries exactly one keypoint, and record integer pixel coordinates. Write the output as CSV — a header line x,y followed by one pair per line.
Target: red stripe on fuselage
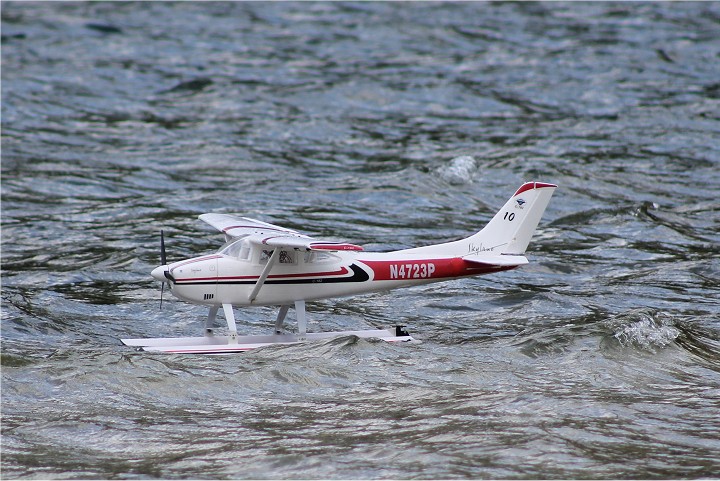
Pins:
x,y
395,270
418,269
343,271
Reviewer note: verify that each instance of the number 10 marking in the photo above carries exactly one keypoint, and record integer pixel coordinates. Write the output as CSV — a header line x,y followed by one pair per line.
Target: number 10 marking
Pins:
x,y
509,216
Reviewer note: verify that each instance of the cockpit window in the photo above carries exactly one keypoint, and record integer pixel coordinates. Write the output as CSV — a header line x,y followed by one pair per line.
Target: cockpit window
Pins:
x,y
238,249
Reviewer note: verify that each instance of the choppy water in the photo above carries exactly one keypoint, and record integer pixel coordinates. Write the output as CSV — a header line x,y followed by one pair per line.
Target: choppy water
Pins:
x,y
390,125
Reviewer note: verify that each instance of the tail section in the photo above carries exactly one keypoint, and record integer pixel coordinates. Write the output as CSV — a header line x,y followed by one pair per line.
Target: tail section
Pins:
x,y
510,231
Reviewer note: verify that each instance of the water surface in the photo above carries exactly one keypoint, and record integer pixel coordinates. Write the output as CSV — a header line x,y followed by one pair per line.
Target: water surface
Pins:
x,y
390,125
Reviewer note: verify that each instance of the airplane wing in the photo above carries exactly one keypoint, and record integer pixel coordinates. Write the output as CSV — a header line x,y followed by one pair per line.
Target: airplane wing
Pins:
x,y
237,226
262,233
302,243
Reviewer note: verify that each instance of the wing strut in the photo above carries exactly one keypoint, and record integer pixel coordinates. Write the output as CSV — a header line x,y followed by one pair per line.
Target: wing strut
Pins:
x,y
264,274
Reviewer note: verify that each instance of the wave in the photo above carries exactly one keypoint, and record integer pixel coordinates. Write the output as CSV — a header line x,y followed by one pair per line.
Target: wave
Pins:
x,y
644,328
652,330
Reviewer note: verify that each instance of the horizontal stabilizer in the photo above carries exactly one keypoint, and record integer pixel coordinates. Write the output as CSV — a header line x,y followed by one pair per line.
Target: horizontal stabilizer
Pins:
x,y
501,260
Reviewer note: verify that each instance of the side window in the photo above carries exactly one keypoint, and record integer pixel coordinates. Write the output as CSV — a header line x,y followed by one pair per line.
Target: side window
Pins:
x,y
315,256
285,257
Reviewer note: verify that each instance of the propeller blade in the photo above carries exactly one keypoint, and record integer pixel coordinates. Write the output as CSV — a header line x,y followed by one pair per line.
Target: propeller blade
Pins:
x,y
163,257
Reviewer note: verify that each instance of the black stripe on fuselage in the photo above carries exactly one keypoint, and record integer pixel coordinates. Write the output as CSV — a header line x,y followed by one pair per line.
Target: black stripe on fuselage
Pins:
x,y
359,275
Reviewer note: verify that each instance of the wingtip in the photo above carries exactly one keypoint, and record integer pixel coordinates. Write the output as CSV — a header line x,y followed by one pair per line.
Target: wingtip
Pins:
x,y
332,246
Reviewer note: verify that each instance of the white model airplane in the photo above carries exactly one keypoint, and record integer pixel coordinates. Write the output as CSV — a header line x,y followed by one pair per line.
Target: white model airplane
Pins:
x,y
263,264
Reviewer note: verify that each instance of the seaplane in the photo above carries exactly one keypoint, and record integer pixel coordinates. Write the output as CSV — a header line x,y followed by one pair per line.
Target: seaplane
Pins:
x,y
263,264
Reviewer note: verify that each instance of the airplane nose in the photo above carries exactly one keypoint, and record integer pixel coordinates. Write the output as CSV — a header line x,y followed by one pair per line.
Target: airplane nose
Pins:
x,y
159,273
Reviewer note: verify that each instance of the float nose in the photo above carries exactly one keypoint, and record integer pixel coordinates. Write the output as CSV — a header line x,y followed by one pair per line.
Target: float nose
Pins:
x,y
159,273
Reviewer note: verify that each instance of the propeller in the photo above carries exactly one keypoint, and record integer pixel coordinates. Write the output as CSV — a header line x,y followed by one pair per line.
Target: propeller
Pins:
x,y
165,272
163,261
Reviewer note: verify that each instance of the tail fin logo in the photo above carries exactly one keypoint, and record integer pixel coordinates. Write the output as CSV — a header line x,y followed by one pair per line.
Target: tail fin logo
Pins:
x,y
520,203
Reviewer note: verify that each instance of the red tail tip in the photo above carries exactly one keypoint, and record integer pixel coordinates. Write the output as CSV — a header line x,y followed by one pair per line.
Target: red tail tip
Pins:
x,y
533,185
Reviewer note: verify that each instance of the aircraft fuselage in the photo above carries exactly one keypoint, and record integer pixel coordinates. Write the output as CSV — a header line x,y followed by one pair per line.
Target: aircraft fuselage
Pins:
x,y
218,279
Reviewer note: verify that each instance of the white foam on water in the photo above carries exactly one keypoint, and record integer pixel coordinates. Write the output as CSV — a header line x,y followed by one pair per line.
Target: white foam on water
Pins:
x,y
459,170
646,330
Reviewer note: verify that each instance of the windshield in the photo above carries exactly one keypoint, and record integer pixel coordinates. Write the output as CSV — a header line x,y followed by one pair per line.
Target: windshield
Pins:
x,y
236,248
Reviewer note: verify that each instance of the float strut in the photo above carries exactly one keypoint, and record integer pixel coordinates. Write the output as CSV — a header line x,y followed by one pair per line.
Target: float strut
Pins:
x,y
280,318
210,322
232,327
301,319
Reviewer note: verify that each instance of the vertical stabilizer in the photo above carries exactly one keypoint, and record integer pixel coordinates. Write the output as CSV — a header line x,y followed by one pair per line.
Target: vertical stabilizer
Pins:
x,y
510,231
